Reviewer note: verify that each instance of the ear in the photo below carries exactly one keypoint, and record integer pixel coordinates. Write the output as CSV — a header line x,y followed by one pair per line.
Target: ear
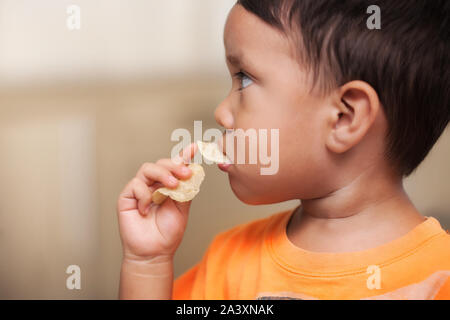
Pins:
x,y
354,110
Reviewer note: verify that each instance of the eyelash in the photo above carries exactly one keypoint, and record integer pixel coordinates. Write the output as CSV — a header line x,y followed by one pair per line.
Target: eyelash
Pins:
x,y
240,75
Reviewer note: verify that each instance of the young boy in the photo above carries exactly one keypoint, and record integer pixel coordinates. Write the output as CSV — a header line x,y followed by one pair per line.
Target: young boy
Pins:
x,y
357,111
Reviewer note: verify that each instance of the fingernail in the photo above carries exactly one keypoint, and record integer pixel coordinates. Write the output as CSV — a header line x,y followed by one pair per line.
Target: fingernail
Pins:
x,y
177,160
173,180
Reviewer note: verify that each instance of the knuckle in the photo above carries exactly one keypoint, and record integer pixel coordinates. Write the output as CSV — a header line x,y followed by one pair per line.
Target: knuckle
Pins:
x,y
135,181
143,167
161,161
148,166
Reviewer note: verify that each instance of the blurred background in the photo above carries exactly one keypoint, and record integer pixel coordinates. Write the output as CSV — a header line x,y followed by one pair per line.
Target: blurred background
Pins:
x,y
81,110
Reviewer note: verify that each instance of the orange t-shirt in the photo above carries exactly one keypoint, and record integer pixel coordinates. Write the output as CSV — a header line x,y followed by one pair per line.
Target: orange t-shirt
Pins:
x,y
257,261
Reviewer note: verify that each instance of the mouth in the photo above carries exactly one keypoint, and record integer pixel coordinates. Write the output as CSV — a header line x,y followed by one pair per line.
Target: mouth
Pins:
x,y
213,152
224,166
220,144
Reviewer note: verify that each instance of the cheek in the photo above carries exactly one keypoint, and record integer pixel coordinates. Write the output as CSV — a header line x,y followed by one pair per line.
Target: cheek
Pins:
x,y
303,159
300,150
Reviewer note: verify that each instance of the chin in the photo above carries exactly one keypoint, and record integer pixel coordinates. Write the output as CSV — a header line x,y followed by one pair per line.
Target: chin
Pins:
x,y
247,196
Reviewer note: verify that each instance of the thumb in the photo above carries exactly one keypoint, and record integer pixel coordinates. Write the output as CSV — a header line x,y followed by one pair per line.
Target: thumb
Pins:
x,y
183,206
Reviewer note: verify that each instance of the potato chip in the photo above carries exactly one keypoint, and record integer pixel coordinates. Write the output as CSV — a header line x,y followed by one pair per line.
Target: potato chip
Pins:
x,y
211,152
186,189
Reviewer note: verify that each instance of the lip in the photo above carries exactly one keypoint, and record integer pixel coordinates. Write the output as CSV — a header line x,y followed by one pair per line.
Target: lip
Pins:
x,y
224,166
220,144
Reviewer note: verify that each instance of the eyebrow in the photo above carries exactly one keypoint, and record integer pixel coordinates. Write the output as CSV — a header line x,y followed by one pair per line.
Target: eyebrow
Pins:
x,y
236,59
233,59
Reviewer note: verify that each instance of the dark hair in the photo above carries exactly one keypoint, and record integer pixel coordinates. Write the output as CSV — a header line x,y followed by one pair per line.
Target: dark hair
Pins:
x,y
406,61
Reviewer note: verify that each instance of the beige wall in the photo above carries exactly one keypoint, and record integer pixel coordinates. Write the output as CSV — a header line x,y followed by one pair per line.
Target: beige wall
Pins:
x,y
68,151
117,39
80,112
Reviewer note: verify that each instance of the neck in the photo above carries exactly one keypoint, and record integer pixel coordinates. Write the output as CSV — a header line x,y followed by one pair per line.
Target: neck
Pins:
x,y
366,212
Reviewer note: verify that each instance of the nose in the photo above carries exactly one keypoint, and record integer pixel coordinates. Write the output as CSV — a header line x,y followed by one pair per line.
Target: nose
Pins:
x,y
223,114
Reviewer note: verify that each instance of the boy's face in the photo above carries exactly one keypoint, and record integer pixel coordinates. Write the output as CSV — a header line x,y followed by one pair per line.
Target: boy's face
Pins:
x,y
271,91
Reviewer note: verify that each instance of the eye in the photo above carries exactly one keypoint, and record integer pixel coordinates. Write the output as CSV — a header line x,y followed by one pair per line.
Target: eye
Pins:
x,y
245,80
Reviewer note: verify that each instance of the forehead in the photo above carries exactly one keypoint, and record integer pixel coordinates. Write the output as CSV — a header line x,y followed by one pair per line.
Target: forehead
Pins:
x,y
247,35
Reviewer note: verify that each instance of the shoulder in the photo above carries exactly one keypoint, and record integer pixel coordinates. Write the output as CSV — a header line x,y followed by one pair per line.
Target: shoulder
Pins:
x,y
251,232
239,249
229,253
441,239
243,241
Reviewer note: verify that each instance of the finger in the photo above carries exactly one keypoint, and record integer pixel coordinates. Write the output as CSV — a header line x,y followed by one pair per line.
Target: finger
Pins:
x,y
136,195
186,154
155,187
171,220
151,173
178,169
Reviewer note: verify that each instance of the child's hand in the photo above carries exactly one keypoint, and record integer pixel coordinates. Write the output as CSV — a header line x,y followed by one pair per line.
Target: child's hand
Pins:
x,y
148,231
